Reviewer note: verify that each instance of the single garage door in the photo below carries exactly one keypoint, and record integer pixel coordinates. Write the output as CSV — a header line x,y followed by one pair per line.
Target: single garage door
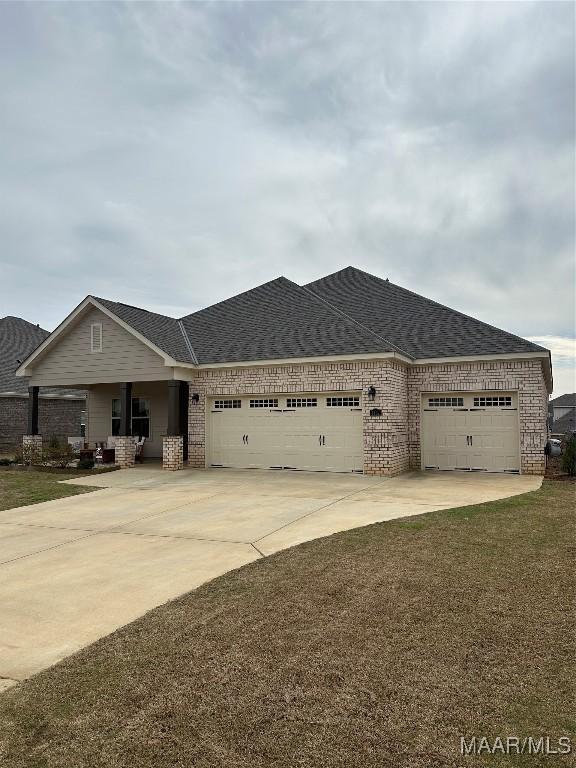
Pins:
x,y
476,431
314,431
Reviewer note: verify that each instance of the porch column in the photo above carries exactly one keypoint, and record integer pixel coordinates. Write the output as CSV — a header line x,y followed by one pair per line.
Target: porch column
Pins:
x,y
32,441
125,448
173,442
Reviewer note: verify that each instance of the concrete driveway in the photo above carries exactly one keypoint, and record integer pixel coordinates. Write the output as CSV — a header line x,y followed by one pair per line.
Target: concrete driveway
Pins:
x,y
75,569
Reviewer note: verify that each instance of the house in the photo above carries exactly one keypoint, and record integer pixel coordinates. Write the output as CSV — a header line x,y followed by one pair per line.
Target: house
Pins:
x,y
562,412
349,373
61,410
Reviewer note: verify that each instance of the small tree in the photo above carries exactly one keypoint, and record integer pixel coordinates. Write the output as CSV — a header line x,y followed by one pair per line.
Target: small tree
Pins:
x,y
569,456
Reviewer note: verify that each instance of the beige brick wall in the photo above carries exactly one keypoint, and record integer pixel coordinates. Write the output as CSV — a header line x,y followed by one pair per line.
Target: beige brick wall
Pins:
x,y
385,437
173,452
525,377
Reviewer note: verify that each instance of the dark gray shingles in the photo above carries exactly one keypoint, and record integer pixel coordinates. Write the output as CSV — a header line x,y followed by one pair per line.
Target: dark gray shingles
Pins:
x,y
277,320
564,400
163,331
18,339
417,325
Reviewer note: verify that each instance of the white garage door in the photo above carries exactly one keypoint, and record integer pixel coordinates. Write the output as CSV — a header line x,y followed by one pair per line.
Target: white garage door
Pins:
x,y
312,431
477,431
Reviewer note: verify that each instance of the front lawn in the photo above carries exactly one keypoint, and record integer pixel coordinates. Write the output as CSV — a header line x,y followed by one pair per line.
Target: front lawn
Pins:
x,y
21,487
373,648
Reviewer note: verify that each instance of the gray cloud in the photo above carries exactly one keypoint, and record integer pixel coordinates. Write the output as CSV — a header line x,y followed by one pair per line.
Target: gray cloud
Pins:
x,y
170,155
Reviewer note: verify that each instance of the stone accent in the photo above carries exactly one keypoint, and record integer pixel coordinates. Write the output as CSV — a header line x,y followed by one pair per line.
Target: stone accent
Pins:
x,y
32,449
385,436
522,376
56,417
173,452
125,451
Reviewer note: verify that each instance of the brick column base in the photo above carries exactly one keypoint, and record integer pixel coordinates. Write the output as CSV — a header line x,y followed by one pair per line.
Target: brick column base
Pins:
x,y
125,452
173,452
32,449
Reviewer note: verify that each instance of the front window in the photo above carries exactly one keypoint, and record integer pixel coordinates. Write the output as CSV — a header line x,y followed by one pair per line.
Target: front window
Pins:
x,y
140,417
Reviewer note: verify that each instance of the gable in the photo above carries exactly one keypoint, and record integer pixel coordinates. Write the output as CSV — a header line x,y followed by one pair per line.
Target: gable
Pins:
x,y
69,359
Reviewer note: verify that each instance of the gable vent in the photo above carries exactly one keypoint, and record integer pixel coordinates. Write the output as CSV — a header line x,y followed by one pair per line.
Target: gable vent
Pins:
x,y
96,337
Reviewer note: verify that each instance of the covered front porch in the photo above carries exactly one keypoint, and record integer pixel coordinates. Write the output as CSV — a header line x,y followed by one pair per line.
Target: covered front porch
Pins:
x,y
121,414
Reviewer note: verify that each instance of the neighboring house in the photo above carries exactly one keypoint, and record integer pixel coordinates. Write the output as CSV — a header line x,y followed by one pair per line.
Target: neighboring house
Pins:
x,y
60,411
349,373
562,412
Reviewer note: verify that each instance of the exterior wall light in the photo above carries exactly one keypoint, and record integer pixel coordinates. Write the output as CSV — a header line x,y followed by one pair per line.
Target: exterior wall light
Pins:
x,y
371,393
195,397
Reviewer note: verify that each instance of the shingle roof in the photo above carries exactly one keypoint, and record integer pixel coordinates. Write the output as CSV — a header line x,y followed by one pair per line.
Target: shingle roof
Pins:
x,y
419,326
18,339
348,312
564,400
163,331
564,424
277,320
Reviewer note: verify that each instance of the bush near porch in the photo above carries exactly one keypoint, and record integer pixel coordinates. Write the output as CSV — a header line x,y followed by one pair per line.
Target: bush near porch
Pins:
x,y
373,648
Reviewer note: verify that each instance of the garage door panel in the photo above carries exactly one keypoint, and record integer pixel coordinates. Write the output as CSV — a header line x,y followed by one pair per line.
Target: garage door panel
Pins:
x,y
309,435
468,437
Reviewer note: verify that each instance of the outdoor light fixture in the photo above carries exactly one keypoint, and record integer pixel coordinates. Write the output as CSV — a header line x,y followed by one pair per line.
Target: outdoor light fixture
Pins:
x,y
371,393
195,397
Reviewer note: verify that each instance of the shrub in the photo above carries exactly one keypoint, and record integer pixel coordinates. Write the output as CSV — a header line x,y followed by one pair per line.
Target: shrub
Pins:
x,y
5,462
57,453
569,456
18,458
86,464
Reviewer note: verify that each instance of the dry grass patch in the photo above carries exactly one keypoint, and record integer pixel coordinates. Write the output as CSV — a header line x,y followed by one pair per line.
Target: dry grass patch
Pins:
x,y
18,488
373,648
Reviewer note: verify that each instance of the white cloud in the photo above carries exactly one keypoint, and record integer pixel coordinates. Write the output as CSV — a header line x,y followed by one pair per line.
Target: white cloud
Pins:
x,y
173,154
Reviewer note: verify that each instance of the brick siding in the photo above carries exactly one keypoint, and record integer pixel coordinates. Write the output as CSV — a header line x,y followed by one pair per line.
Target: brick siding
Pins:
x,y
523,376
392,440
173,452
57,417
385,436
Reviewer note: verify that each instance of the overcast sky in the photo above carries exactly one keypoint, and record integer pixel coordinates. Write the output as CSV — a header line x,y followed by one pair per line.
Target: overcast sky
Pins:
x,y
171,155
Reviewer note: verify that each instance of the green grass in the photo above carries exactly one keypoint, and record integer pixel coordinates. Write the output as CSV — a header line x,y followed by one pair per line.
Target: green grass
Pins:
x,y
18,488
373,648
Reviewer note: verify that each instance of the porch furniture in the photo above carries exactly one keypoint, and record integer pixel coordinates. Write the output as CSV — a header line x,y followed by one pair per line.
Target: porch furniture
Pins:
x,y
139,443
108,455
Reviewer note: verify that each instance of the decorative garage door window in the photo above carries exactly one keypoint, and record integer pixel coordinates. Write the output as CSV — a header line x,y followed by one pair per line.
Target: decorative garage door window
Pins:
x,y
343,402
445,402
227,403
301,402
264,403
493,402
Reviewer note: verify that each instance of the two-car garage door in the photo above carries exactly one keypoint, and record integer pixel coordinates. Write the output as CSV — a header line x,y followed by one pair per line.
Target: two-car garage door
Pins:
x,y
476,431
312,431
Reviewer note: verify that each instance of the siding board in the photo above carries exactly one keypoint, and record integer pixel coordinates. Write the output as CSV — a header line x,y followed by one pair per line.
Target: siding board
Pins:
x,y
123,356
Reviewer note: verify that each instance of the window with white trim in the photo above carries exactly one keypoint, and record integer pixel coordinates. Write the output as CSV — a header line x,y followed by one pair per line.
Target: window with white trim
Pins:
x,y
227,404
343,402
271,402
301,402
493,401
445,402
96,337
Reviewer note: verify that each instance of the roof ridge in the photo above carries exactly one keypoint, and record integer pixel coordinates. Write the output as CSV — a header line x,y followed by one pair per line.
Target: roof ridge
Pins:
x,y
237,295
188,343
356,322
